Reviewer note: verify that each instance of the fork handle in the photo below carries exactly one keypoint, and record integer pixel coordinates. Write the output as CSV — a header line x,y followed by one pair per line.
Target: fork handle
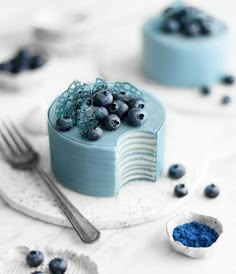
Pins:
x,y
85,230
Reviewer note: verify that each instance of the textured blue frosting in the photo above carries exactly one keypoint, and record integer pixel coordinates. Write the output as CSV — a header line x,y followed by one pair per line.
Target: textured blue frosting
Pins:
x,y
176,60
100,168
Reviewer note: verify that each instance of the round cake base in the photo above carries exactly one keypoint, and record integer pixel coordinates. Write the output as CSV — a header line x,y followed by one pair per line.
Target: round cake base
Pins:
x,y
137,203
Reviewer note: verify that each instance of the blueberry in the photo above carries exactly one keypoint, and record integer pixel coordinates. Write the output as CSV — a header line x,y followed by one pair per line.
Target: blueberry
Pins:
x,y
176,171
137,103
6,66
170,25
137,117
23,54
101,113
168,11
102,98
64,123
34,258
94,133
112,122
192,29
205,90
58,266
122,95
37,61
226,100
212,191
206,27
228,79
37,272
180,190
119,108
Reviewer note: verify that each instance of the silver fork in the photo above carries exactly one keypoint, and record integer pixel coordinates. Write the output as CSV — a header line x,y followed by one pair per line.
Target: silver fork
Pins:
x,y
19,153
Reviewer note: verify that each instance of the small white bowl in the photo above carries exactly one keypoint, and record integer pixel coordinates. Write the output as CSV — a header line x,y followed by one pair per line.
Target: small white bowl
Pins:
x,y
194,252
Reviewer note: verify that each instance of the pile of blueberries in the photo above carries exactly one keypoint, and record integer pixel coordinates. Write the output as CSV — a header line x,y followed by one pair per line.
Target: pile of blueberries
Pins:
x,y
110,108
35,258
21,61
188,21
177,171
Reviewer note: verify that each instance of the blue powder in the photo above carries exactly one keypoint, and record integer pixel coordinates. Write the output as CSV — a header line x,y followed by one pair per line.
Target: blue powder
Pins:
x,y
195,234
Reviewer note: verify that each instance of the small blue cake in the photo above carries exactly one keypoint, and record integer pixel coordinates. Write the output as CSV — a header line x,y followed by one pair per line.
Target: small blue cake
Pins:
x,y
104,135
184,47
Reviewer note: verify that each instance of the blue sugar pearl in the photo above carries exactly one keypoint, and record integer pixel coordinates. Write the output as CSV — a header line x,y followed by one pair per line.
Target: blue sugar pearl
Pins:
x,y
58,266
34,258
205,90
226,100
195,234
176,171
212,191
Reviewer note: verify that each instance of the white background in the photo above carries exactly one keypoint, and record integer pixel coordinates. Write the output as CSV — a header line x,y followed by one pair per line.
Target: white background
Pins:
x,y
145,248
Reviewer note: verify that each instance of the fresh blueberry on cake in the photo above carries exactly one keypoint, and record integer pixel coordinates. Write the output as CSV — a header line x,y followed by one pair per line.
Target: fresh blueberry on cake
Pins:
x,y
185,47
104,135
34,258
58,266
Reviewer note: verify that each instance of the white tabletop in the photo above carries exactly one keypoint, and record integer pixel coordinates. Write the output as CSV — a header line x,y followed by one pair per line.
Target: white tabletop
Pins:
x,y
143,248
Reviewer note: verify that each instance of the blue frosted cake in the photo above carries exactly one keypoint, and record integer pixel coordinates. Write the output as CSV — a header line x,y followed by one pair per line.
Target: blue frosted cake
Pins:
x,y
105,135
185,47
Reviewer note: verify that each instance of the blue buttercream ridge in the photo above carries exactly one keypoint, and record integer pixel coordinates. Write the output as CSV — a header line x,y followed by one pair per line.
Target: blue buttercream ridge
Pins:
x,y
195,234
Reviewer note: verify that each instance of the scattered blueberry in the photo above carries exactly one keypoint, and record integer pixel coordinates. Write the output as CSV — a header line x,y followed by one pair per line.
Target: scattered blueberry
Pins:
x,y
119,108
58,266
176,171
226,100
101,113
170,25
102,98
205,90
64,123
137,103
212,191
112,122
137,117
34,258
122,95
180,190
228,80
37,61
94,134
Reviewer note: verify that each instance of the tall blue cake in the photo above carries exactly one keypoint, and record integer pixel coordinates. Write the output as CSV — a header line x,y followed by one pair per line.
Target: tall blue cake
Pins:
x,y
185,47
104,135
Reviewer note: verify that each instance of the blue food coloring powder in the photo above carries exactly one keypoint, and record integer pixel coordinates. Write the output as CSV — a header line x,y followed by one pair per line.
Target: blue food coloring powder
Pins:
x,y
194,234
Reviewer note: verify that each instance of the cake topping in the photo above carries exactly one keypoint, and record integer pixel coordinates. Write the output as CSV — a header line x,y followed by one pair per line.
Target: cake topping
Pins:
x,y
187,20
92,107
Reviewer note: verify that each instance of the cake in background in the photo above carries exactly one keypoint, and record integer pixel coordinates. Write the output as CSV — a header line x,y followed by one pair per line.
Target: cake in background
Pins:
x,y
104,135
185,47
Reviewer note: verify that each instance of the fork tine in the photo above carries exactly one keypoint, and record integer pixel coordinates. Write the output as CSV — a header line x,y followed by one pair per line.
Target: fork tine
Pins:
x,y
9,145
14,139
23,140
